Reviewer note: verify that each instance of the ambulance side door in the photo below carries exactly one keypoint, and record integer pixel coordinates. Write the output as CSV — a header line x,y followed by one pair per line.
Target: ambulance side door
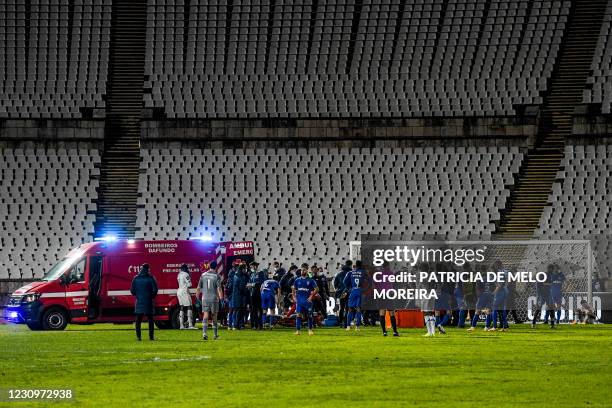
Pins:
x,y
116,301
94,273
77,291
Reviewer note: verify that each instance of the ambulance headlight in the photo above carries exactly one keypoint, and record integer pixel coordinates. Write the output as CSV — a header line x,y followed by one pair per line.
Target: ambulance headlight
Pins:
x,y
30,297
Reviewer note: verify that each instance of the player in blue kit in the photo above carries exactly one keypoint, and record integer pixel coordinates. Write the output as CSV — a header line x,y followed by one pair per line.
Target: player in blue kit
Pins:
x,y
500,295
443,303
460,303
543,293
499,307
483,305
556,294
354,281
270,295
304,288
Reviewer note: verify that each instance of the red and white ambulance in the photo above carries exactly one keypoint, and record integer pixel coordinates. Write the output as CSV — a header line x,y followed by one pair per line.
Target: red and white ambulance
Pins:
x,y
92,283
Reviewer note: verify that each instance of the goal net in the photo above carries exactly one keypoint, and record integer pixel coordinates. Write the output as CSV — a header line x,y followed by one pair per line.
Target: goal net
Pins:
x,y
572,258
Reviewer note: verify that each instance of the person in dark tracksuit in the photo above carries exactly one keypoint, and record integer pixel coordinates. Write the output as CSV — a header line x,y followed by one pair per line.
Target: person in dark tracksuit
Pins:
x,y
144,288
238,296
320,301
341,292
286,284
256,279
278,271
228,294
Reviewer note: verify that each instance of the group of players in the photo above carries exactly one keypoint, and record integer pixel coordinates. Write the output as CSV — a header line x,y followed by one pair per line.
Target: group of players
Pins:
x,y
250,293
495,301
256,294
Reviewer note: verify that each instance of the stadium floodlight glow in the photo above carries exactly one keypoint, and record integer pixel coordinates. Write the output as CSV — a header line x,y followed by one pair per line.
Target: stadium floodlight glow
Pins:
x,y
131,241
107,238
204,237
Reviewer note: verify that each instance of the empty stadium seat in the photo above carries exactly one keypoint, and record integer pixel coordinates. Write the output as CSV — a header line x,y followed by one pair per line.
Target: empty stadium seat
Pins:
x,y
51,69
260,59
46,207
601,80
308,204
580,203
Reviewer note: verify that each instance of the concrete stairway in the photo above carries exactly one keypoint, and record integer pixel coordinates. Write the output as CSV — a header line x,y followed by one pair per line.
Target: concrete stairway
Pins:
x,y
118,191
538,172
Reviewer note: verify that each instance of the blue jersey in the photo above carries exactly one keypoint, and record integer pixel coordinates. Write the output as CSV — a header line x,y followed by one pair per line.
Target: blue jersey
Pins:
x,y
505,273
458,291
443,301
355,280
304,288
542,290
269,286
557,280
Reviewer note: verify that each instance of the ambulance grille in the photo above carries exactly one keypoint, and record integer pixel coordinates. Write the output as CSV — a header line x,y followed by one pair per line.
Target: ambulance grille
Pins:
x,y
14,300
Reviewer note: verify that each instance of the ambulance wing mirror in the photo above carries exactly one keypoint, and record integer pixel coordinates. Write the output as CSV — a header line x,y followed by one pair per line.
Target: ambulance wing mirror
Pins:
x,y
63,280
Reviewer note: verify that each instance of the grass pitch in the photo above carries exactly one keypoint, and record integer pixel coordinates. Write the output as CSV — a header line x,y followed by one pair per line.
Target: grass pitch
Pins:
x,y
105,366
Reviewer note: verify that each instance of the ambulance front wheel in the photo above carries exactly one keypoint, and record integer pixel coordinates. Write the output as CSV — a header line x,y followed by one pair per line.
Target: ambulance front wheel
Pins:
x,y
34,326
54,319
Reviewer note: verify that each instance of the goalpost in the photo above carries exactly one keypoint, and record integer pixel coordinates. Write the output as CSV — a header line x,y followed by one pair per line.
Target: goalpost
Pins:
x,y
573,257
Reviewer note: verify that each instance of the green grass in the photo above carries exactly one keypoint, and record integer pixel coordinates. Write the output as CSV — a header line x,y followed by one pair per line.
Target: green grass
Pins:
x,y
106,367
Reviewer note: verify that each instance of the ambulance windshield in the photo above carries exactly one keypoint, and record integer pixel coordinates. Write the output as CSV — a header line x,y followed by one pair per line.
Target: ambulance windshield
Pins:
x,y
58,269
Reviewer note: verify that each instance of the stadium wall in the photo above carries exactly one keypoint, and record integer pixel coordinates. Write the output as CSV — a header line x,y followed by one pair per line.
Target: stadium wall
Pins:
x,y
589,128
342,132
234,132
52,132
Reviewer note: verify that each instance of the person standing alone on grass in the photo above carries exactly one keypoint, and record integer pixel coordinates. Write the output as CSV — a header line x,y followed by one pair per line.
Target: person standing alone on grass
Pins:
x,y
209,287
144,288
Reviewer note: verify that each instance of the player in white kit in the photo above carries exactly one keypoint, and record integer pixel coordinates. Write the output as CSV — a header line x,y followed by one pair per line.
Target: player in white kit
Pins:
x,y
184,298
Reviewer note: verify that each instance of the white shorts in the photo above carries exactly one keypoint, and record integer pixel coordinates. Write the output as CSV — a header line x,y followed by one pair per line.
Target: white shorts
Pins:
x,y
184,297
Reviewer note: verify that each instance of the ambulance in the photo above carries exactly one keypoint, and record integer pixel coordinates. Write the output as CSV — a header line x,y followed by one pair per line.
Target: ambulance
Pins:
x,y
92,283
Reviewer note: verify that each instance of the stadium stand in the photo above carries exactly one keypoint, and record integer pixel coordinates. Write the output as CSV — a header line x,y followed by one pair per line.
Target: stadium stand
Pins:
x,y
46,207
53,57
308,204
580,202
217,62
601,80
390,58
